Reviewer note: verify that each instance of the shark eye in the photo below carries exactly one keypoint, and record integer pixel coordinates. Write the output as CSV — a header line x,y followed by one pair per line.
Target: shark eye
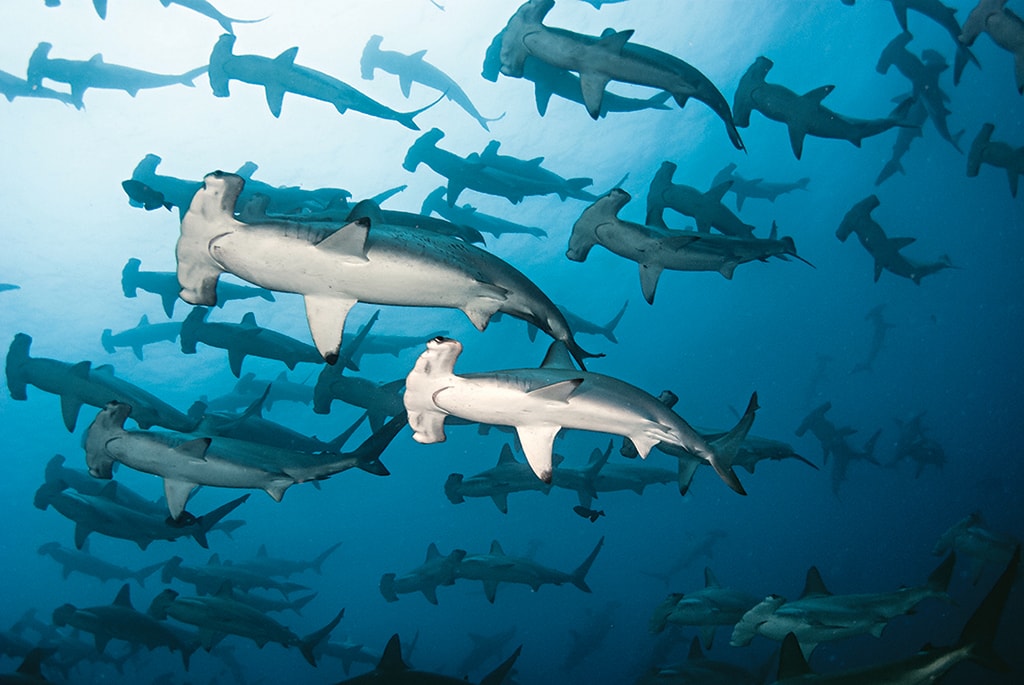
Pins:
x,y
439,340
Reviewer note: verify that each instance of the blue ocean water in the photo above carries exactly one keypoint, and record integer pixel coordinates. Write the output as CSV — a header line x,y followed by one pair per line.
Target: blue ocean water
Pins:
x,y
790,332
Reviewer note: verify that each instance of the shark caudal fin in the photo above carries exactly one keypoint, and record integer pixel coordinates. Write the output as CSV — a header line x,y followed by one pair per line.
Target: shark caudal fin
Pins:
x,y
299,604
498,675
17,359
979,632
726,447
608,330
938,580
204,524
368,453
144,572
387,587
317,564
309,643
579,576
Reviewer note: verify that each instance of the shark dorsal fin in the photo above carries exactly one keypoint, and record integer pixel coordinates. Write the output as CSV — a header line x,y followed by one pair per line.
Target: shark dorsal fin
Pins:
x,y
214,560
433,552
124,597
557,392
224,591
709,578
97,58
506,456
814,585
392,661
774,235
104,369
496,549
144,321
615,41
249,321
819,93
287,57
81,369
792,663
366,209
557,357
418,55
349,240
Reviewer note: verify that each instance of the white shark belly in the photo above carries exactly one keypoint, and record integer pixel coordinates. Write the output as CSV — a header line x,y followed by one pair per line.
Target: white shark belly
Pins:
x,y
388,277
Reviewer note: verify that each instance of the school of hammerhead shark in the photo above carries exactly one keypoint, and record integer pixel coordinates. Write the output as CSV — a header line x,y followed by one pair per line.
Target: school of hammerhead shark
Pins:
x,y
335,253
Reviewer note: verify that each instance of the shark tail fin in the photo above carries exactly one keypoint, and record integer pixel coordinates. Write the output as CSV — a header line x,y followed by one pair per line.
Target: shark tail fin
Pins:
x,y
337,443
726,447
579,576
498,675
309,643
368,454
298,605
205,523
406,118
608,330
17,357
980,630
145,572
318,563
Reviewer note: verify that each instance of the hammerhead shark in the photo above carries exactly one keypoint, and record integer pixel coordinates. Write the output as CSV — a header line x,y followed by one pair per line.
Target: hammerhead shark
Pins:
x,y
598,60
803,114
280,75
655,248
944,16
414,69
996,153
704,208
744,188
885,250
333,270
95,73
493,175
1003,26
244,339
541,402
434,571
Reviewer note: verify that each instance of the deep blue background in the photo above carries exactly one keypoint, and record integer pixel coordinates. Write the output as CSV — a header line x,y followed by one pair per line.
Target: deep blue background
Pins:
x,y
953,351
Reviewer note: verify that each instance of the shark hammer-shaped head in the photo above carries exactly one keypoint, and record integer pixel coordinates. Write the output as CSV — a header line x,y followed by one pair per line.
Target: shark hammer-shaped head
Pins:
x,y
110,420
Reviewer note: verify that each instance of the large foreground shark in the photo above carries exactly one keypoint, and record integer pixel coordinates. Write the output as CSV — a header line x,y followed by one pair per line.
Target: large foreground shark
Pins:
x,y
541,402
1004,27
358,263
996,153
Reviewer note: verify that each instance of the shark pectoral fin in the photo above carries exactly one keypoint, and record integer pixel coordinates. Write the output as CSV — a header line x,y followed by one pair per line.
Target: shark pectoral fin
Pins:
x,y
168,300
235,359
707,636
1014,176
137,349
878,269
491,590
537,441
277,488
326,316
101,641
649,275
592,86
878,629
176,492
557,392
405,83
275,99
431,594
81,535
796,140
500,501
69,407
